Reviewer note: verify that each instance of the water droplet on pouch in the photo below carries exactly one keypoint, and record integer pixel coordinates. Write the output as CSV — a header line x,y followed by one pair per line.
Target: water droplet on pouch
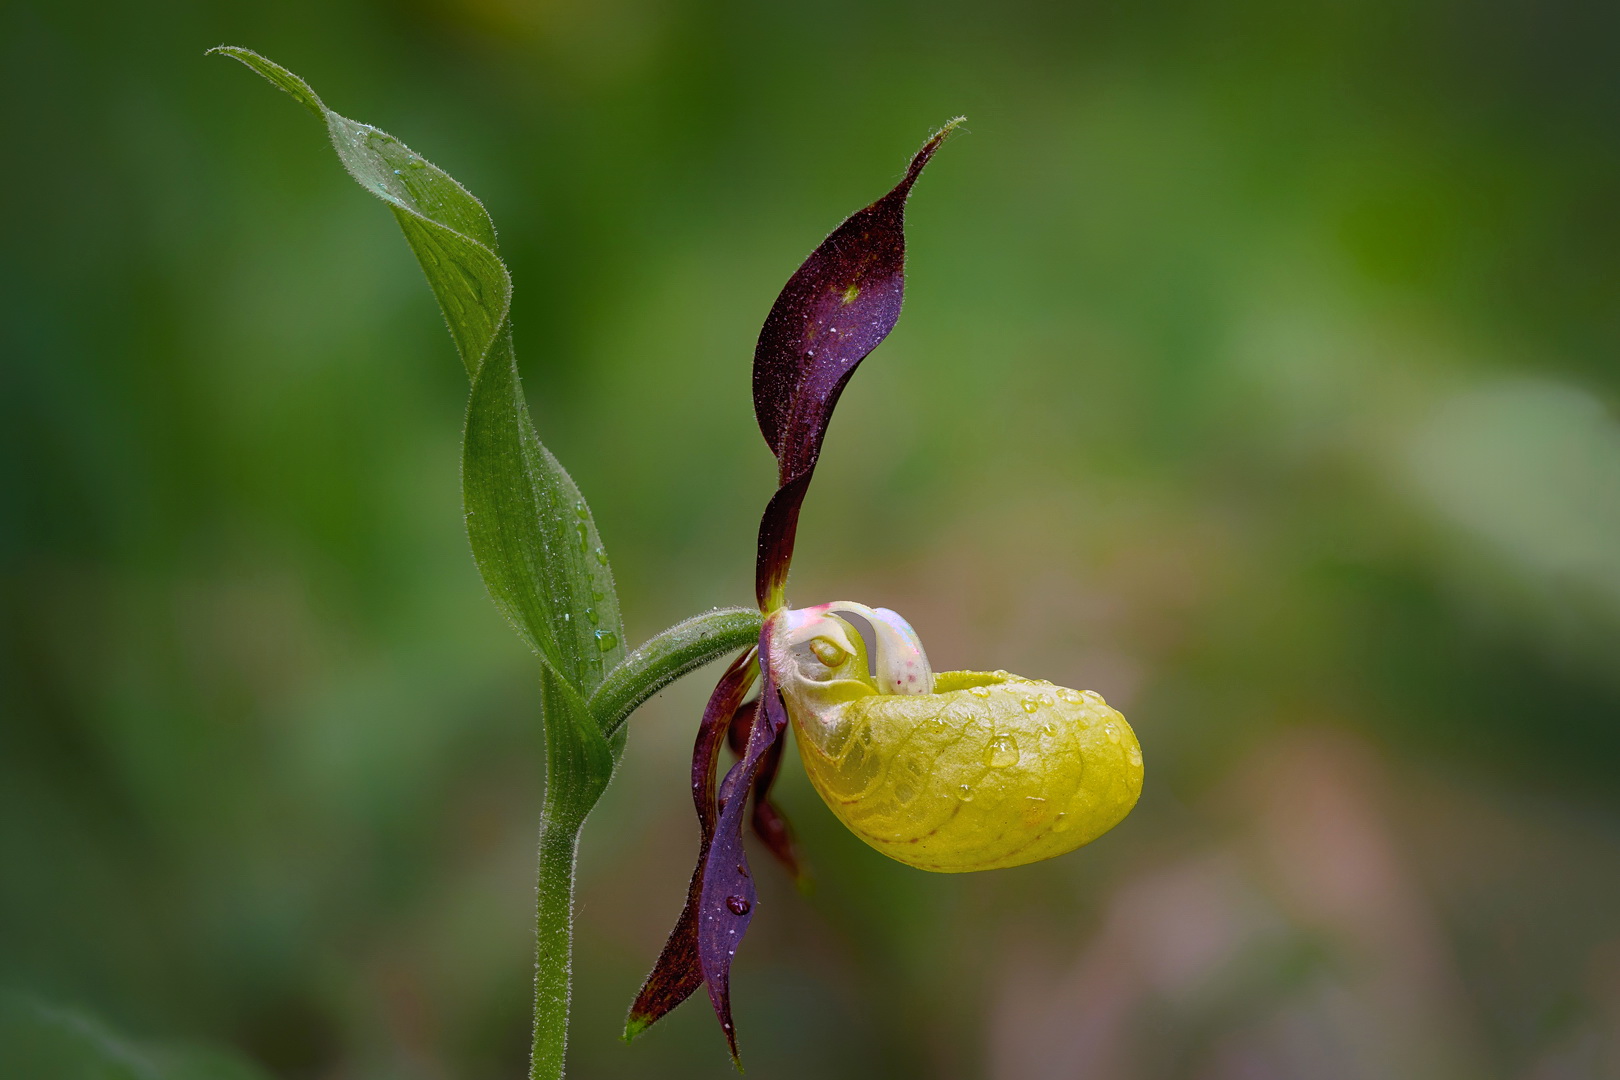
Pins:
x,y
1002,751
739,905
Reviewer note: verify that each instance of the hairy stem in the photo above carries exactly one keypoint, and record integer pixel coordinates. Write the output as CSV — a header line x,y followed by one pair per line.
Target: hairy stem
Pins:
x,y
665,657
578,767
554,942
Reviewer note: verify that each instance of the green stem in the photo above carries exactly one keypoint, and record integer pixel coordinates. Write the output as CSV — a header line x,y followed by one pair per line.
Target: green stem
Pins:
x,y
554,943
579,763
662,659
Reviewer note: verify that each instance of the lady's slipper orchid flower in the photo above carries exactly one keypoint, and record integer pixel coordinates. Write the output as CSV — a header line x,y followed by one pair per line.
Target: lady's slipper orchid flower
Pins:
x,y
950,771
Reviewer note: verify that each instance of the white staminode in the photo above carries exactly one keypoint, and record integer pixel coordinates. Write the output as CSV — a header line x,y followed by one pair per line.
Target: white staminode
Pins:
x,y
828,649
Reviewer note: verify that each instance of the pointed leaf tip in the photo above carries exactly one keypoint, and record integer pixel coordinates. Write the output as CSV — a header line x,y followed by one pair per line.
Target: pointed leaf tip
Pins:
x,y
532,534
275,73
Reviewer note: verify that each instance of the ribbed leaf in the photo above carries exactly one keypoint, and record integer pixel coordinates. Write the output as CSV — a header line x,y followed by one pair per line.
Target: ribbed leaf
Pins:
x,y
532,534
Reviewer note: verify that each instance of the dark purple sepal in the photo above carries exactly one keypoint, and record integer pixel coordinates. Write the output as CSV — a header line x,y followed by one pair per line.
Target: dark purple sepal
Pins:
x,y
770,824
835,309
726,904
679,971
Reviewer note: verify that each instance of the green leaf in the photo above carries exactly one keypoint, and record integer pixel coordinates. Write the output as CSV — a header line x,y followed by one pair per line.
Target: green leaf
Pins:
x,y
531,532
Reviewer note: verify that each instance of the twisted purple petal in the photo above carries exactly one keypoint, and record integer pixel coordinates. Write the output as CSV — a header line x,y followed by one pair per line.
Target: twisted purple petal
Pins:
x,y
726,903
679,971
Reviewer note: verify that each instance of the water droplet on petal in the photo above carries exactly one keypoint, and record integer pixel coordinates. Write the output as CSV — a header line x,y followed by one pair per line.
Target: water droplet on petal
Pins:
x,y
1030,705
1060,823
1002,751
739,905
1113,733
1034,810
979,691
965,793
1134,756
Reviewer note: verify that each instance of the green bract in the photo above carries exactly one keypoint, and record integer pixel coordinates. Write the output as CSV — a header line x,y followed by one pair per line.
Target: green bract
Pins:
x,y
531,533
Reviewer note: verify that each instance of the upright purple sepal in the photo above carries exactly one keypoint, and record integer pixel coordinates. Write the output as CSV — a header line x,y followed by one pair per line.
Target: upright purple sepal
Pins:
x,y
835,309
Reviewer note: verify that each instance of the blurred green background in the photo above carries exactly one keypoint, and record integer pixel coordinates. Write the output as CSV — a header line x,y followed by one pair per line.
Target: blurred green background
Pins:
x,y
1258,370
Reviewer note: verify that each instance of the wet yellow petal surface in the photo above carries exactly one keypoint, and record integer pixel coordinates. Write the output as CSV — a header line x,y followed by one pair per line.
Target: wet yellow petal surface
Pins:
x,y
989,770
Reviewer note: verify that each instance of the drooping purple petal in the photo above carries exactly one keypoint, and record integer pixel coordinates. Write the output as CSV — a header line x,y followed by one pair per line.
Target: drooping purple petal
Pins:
x,y
679,971
770,824
727,900
835,309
